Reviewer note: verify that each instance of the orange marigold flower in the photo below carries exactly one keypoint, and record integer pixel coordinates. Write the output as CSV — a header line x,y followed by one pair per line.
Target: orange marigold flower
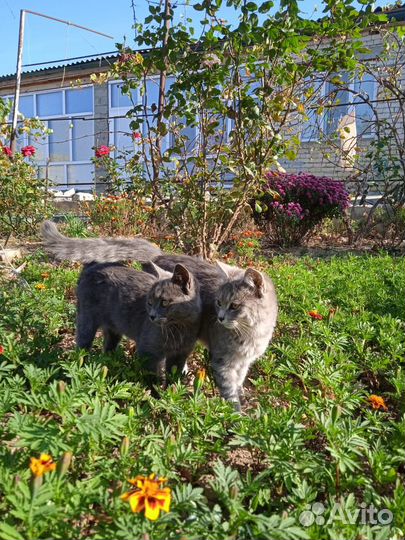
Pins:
x,y
45,275
241,244
42,465
40,286
148,495
377,402
202,375
251,244
315,315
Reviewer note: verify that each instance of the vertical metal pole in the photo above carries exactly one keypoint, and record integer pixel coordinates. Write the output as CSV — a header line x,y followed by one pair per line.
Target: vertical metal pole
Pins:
x,y
13,137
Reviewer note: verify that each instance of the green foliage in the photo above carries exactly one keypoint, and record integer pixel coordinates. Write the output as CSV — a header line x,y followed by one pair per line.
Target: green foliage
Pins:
x,y
239,86
23,201
308,433
22,198
112,215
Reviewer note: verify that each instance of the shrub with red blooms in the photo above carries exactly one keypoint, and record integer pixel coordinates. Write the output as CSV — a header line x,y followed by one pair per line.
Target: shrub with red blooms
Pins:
x,y
28,151
291,205
102,151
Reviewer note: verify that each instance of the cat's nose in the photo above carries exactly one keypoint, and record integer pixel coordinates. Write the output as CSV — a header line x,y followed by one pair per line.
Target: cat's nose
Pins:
x,y
152,317
221,318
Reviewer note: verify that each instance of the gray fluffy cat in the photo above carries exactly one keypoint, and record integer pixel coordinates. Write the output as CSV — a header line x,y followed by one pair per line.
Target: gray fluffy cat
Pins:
x,y
161,312
239,307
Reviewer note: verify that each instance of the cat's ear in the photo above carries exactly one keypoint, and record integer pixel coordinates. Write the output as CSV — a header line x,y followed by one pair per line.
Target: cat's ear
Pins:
x,y
223,267
255,279
155,270
182,277
229,271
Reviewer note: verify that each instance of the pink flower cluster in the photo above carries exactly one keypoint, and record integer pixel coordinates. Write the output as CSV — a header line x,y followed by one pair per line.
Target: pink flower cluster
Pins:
x,y
291,209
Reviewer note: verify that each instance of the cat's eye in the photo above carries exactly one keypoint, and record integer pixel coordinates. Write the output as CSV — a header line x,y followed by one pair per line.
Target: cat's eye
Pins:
x,y
234,306
164,303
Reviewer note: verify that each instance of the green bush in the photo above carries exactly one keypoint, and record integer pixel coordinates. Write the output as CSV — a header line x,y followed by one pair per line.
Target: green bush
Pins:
x,y
23,203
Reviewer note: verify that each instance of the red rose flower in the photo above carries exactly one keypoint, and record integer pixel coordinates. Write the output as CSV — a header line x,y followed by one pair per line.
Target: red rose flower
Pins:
x,y
136,135
1,349
102,151
28,151
7,151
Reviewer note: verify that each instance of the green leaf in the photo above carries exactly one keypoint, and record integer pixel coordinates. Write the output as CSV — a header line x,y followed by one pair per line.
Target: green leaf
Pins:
x,y
258,208
8,532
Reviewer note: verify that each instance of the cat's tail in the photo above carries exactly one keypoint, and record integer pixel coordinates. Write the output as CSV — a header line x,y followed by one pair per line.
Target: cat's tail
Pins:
x,y
88,250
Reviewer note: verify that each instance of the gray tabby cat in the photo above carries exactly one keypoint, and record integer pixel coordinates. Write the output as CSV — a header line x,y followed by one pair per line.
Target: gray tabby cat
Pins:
x,y
239,307
161,312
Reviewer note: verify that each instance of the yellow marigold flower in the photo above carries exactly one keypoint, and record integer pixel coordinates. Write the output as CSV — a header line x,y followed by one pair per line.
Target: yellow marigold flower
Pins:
x,y
40,286
148,495
377,402
42,465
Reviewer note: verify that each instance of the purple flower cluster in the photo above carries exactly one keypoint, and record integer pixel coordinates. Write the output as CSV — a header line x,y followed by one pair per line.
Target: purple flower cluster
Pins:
x,y
309,191
291,209
294,204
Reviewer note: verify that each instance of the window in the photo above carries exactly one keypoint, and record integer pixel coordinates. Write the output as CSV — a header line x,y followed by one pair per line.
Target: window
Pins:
x,y
350,102
366,89
122,134
26,106
59,140
347,105
312,92
151,97
341,106
50,104
80,174
79,100
119,106
82,139
68,149
120,100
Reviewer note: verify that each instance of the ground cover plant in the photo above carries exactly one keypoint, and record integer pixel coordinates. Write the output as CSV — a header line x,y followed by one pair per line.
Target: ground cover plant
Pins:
x,y
323,421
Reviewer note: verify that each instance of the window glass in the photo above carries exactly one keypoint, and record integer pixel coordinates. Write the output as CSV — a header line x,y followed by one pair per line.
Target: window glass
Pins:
x,y
152,93
40,143
311,94
56,173
340,105
118,99
59,140
81,176
364,113
79,100
122,134
82,140
26,106
50,104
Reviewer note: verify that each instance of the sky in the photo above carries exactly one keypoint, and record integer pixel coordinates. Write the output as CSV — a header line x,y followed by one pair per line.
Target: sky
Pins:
x,y
46,40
